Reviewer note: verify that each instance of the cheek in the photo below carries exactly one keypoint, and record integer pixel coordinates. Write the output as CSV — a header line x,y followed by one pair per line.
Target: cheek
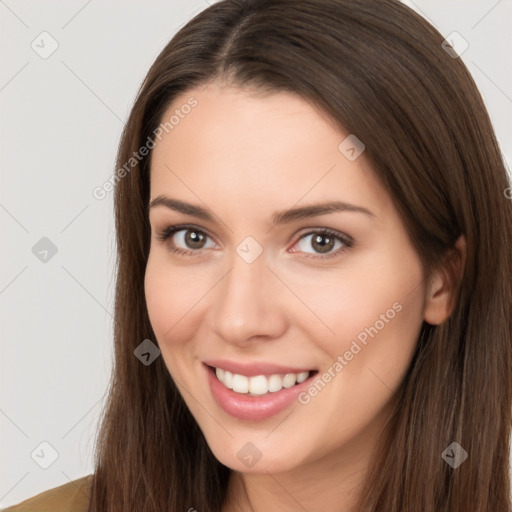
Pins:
x,y
161,296
170,298
374,317
384,314
372,298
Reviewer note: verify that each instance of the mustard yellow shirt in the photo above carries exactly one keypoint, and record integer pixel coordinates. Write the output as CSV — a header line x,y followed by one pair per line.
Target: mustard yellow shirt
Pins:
x,y
70,497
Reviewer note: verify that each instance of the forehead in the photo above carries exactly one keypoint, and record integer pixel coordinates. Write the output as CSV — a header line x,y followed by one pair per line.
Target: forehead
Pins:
x,y
273,149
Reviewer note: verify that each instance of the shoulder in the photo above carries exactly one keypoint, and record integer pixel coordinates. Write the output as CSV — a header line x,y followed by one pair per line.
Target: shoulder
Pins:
x,y
70,497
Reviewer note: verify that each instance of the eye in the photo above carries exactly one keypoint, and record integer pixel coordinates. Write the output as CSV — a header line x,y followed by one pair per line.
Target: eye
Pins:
x,y
185,239
324,242
321,243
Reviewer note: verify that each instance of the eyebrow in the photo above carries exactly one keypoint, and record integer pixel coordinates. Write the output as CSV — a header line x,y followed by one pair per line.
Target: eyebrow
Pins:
x,y
281,217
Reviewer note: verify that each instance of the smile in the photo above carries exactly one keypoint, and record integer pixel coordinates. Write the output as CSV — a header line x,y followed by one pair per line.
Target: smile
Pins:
x,y
259,384
255,392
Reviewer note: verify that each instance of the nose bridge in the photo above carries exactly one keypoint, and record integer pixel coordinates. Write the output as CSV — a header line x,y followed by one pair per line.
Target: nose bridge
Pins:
x,y
246,302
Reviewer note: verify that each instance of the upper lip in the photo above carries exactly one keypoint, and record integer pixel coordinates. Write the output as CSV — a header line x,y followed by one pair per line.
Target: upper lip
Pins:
x,y
253,369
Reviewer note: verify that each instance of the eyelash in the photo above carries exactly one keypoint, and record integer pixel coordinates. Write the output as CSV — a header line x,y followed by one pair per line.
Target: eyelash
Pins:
x,y
167,233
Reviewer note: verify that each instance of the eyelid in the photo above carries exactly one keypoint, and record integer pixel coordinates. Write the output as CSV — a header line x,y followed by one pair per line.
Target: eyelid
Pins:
x,y
165,234
346,240
170,230
334,232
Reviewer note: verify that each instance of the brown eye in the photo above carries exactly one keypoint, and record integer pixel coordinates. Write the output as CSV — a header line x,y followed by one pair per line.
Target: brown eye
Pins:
x,y
186,240
194,239
323,242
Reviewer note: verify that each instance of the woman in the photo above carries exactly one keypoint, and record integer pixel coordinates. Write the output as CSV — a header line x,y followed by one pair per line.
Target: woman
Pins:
x,y
314,260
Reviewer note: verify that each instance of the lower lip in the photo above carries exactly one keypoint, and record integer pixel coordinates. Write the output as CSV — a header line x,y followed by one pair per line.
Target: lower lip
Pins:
x,y
253,408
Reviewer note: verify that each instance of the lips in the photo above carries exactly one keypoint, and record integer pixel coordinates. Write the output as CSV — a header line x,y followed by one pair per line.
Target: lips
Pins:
x,y
245,405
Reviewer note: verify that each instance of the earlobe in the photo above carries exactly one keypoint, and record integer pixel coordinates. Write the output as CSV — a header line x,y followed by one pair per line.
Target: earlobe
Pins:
x,y
442,290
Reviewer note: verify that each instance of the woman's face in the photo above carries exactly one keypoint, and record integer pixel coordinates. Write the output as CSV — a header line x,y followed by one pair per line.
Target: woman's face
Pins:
x,y
264,281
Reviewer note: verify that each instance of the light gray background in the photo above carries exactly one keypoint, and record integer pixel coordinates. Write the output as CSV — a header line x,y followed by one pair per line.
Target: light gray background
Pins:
x,y
61,121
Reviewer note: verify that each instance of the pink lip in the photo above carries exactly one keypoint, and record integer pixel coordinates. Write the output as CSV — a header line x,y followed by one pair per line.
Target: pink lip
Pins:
x,y
254,408
253,369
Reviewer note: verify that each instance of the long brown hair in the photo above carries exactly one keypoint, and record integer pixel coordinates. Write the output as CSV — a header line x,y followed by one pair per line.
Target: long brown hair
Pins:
x,y
380,71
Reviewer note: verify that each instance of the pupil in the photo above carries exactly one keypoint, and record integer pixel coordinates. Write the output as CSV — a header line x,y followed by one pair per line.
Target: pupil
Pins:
x,y
194,239
325,243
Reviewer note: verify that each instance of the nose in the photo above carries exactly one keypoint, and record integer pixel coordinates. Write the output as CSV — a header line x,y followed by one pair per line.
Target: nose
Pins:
x,y
249,304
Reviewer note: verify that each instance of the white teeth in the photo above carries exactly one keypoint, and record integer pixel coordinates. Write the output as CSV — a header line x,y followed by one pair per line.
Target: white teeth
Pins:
x,y
259,385
301,377
240,383
228,379
289,380
275,383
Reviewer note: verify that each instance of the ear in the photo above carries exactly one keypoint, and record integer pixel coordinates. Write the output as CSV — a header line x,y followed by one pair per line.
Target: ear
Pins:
x,y
442,290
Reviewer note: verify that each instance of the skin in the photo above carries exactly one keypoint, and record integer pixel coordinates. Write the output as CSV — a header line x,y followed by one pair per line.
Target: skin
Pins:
x,y
244,156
